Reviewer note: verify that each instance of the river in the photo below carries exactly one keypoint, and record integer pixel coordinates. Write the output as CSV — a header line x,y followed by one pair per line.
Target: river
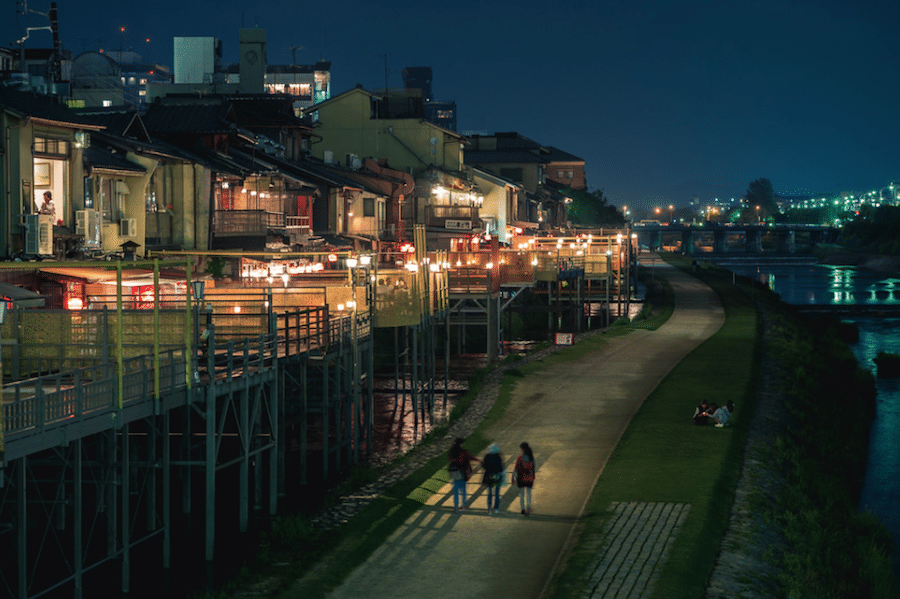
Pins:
x,y
842,287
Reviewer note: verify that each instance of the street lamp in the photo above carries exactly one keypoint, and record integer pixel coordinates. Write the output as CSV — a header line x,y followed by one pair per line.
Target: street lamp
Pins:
x,y
671,208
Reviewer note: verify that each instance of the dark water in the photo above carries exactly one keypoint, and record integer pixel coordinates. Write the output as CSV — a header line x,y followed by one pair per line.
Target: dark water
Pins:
x,y
843,286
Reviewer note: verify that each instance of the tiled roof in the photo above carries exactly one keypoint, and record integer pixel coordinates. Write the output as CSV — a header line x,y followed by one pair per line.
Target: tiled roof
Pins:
x,y
475,157
214,117
41,107
267,111
97,157
557,155
124,123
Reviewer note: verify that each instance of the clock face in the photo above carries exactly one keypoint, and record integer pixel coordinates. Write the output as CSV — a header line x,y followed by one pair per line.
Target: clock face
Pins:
x,y
251,56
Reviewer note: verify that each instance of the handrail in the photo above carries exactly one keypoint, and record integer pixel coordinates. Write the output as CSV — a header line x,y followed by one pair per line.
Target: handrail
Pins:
x,y
41,402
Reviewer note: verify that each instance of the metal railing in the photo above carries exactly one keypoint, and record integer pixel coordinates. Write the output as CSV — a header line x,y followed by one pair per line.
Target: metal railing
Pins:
x,y
42,403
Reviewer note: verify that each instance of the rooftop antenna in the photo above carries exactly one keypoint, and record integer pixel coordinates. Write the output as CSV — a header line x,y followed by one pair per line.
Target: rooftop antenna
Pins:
x,y
51,17
293,50
385,56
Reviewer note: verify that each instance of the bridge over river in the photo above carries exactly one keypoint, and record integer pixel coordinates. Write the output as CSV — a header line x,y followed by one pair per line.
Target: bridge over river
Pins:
x,y
751,238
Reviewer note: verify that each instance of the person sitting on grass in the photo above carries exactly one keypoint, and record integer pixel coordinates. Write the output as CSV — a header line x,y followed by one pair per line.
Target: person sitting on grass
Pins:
x,y
700,416
718,416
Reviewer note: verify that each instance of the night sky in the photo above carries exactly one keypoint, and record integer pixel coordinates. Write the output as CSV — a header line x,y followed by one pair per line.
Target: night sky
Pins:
x,y
665,101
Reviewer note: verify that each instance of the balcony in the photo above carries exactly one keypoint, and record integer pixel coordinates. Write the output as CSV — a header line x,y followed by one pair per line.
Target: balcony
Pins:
x,y
298,225
244,223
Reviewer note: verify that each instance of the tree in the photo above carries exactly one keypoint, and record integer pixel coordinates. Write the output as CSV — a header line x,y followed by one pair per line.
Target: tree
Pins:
x,y
591,208
760,193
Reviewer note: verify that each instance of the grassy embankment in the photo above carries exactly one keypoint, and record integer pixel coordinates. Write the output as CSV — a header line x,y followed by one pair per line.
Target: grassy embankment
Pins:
x,y
834,551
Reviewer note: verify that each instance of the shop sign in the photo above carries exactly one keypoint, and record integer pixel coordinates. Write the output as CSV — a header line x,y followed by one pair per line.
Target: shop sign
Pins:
x,y
458,225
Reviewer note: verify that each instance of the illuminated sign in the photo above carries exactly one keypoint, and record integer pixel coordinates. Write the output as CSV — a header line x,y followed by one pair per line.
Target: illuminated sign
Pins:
x,y
458,225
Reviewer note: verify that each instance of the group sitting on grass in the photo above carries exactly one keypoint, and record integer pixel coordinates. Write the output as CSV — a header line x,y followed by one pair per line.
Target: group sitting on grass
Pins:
x,y
713,414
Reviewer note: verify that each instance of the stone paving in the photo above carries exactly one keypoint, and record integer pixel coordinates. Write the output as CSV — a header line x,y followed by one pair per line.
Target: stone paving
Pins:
x,y
636,544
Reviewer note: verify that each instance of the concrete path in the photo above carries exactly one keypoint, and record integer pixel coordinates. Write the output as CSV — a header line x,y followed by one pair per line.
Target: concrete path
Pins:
x,y
572,415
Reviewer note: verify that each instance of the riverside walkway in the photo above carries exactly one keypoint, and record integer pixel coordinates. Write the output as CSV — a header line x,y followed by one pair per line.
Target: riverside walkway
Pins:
x,y
573,415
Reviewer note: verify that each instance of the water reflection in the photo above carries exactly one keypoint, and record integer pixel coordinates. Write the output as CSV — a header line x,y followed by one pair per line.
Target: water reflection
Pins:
x,y
814,284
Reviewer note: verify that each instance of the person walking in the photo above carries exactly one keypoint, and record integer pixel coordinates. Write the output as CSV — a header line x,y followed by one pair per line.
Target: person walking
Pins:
x,y
493,477
524,475
460,469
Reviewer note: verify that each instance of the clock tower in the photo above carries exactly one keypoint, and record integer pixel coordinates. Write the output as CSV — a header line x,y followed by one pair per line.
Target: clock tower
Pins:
x,y
252,47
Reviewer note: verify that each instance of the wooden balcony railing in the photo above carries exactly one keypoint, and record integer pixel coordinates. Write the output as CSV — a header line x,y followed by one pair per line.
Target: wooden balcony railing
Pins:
x,y
246,222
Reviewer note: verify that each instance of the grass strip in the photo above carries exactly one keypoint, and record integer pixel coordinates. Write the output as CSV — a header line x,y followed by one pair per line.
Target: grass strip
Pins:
x,y
663,458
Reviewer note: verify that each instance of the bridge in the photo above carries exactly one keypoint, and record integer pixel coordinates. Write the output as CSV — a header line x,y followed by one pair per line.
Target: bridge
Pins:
x,y
719,238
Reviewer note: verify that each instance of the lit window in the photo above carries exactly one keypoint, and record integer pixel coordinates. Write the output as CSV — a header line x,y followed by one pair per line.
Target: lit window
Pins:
x,y
143,82
107,103
142,92
569,175
559,174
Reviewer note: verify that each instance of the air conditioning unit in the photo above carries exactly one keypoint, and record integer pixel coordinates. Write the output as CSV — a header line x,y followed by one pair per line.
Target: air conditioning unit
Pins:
x,y
45,235
31,222
38,234
87,224
128,227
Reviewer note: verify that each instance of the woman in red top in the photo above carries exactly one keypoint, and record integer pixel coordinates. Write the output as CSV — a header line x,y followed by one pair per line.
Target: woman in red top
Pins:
x,y
460,469
524,473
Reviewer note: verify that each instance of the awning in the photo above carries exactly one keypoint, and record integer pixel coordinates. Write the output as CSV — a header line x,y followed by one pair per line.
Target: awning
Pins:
x,y
21,298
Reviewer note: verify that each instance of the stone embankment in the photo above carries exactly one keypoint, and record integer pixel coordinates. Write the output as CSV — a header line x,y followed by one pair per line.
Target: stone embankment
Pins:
x,y
746,566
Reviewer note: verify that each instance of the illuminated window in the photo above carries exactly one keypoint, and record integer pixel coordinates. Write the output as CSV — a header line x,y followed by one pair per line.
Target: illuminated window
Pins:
x,y
559,174
107,103
50,147
569,175
143,82
142,92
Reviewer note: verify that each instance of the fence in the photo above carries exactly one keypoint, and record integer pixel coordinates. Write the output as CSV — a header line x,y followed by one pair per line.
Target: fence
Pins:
x,y
44,402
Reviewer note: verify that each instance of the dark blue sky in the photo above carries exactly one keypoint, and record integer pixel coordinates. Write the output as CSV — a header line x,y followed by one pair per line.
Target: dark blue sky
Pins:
x,y
665,101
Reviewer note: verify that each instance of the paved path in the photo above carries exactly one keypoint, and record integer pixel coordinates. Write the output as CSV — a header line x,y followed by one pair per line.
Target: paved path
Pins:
x,y
572,415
